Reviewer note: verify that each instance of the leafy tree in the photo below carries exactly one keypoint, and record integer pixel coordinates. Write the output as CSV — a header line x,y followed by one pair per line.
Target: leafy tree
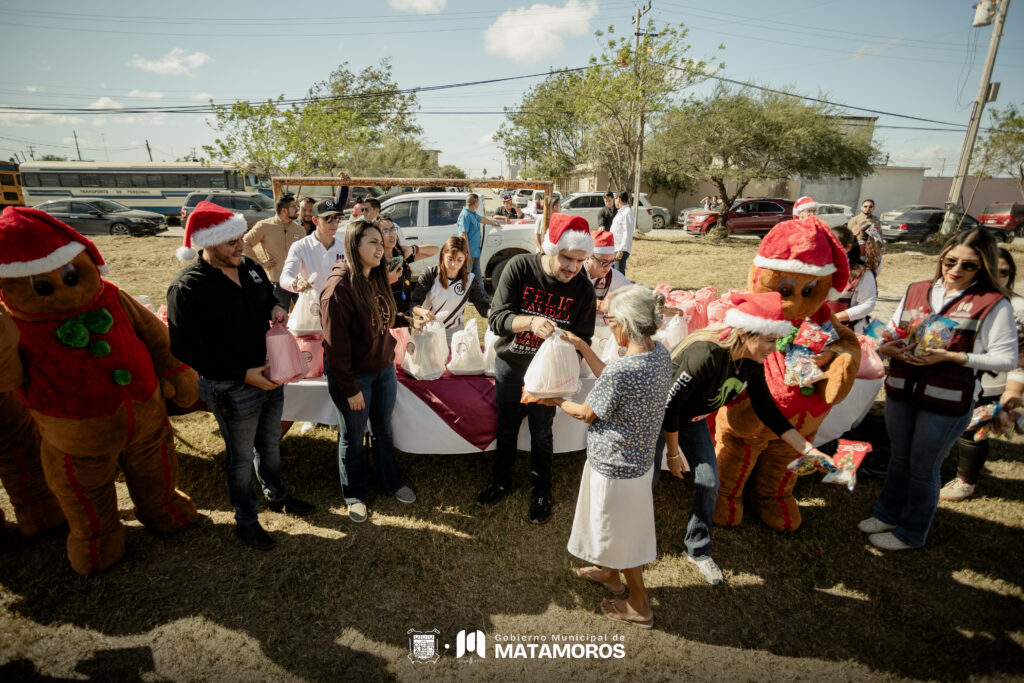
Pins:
x,y
1000,150
332,127
52,157
548,129
396,158
449,170
742,135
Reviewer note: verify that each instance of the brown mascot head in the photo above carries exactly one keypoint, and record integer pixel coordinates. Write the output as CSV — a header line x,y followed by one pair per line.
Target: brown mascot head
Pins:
x,y
804,262
46,267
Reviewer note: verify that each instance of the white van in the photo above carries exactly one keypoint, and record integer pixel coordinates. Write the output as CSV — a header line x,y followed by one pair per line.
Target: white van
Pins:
x,y
432,217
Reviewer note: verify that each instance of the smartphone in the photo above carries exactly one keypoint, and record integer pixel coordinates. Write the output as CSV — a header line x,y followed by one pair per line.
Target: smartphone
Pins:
x,y
395,262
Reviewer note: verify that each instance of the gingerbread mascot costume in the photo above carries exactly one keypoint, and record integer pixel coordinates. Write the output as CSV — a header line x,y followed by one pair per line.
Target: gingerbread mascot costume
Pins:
x,y
803,261
95,369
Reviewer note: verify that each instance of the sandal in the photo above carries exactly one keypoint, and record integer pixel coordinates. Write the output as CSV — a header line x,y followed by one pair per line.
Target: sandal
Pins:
x,y
588,574
612,611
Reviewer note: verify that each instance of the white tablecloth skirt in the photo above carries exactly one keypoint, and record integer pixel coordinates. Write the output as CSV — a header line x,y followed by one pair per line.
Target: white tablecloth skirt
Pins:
x,y
417,428
848,414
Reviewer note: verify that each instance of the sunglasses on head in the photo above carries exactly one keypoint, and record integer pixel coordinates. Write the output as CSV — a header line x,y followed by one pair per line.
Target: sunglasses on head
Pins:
x,y
968,266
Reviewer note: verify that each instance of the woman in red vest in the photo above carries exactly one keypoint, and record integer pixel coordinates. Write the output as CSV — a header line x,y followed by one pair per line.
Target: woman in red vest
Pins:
x,y
930,392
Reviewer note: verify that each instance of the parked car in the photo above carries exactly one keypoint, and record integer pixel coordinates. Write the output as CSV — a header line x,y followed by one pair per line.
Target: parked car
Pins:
x,y
534,201
899,211
589,205
96,216
432,217
252,205
684,215
1005,219
748,216
915,225
836,215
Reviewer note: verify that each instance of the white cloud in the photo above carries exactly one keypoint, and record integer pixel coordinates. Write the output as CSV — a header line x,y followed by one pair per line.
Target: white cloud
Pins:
x,y
530,34
106,103
418,6
485,139
927,155
33,88
145,94
874,49
203,96
177,62
21,118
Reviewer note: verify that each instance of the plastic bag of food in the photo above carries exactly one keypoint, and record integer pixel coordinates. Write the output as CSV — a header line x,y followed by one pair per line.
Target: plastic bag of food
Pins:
x,y
983,414
427,352
847,460
554,371
467,358
490,339
312,349
305,317
672,332
801,370
815,337
401,335
283,356
811,463
871,366
935,332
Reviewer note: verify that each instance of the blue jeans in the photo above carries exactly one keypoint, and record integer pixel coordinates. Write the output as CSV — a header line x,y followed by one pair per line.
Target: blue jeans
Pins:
x,y
620,263
250,422
508,393
379,390
475,269
699,450
920,441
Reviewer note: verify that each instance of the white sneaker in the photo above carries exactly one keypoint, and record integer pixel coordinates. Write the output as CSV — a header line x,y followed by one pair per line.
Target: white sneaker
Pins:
x,y
957,489
888,541
712,573
357,512
873,525
307,427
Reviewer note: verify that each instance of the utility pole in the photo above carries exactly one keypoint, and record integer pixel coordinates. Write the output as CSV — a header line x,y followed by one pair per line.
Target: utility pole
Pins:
x,y
31,152
640,135
76,145
953,208
149,151
105,152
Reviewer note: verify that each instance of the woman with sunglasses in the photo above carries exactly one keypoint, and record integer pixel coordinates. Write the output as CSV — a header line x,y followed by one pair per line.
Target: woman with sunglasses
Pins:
x,y
1004,388
930,392
400,276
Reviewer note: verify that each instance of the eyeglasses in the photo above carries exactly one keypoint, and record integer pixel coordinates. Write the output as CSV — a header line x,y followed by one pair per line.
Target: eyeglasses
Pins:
x,y
968,266
331,219
602,262
388,231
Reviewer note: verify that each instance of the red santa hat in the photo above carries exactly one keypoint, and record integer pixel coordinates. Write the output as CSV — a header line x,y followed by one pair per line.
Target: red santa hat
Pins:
x,y
757,313
604,242
803,204
209,225
805,246
33,242
568,233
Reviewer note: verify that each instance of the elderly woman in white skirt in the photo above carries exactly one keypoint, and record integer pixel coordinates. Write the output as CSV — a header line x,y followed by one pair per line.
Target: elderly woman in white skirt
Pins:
x,y
614,523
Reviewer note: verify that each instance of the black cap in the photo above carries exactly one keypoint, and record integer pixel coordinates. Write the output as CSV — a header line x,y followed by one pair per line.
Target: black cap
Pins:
x,y
326,207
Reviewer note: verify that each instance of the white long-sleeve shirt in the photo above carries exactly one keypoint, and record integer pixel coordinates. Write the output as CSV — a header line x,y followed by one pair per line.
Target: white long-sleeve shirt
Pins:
x,y
308,256
623,227
995,344
865,296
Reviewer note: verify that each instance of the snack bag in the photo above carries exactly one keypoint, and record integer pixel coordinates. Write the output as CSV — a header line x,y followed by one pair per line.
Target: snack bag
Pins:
x,y
427,352
815,337
983,414
490,339
847,459
283,356
883,333
305,317
810,463
467,358
801,370
554,371
871,366
312,349
934,333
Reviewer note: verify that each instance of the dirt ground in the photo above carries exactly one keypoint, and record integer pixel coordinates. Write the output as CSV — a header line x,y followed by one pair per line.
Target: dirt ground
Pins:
x,y
336,601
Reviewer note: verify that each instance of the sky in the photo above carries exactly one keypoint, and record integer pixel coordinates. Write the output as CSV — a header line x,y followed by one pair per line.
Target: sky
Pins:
x,y
918,58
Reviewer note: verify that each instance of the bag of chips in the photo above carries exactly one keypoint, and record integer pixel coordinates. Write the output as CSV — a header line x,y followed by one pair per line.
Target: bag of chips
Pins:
x,y
934,332
467,358
815,337
811,463
847,459
554,371
801,370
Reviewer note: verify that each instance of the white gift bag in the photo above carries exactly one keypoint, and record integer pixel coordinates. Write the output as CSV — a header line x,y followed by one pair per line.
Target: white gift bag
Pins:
x,y
427,352
554,371
305,316
673,332
467,358
490,339
611,351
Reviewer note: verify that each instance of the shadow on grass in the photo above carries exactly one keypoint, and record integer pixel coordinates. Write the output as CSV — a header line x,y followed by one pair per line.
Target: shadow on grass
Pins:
x,y
950,611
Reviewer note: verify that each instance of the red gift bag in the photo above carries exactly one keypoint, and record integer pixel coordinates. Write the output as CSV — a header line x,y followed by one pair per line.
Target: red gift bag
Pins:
x,y
312,349
871,366
283,356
